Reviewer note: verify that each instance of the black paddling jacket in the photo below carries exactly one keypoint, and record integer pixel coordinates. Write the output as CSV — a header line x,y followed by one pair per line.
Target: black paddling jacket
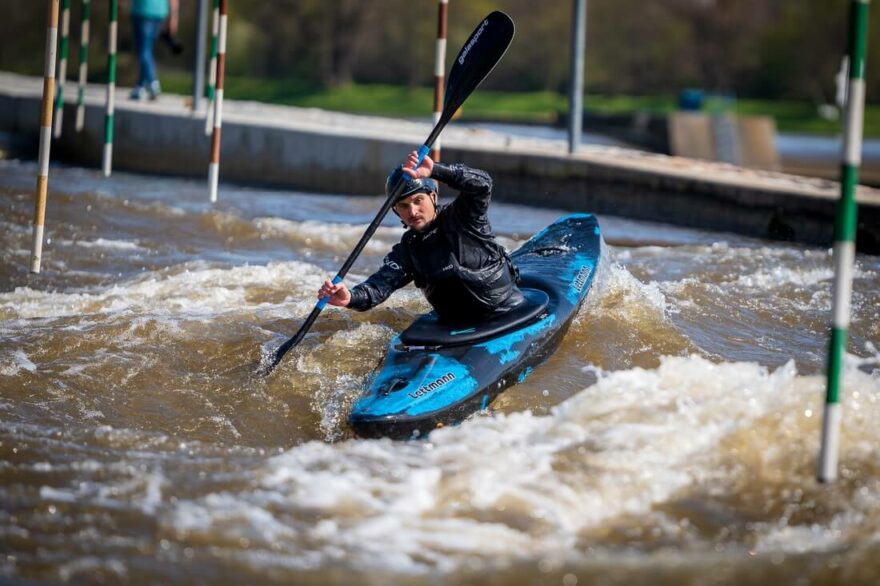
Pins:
x,y
456,262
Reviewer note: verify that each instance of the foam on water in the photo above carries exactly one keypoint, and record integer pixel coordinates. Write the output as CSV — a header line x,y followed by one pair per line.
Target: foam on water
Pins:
x,y
614,281
338,237
337,387
10,365
105,243
745,303
193,289
634,442
781,276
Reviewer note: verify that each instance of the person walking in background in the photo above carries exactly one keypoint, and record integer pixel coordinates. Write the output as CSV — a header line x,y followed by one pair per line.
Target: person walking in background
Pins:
x,y
147,17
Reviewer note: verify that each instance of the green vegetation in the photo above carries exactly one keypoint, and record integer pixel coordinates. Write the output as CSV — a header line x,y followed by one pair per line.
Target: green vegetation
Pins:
x,y
352,56
767,49
803,117
518,107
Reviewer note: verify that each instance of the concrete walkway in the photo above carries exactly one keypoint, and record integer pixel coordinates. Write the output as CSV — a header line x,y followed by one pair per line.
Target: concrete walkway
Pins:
x,y
316,150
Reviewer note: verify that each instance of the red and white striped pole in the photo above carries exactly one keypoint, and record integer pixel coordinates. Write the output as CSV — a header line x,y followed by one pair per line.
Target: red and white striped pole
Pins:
x,y
214,166
439,69
212,67
45,136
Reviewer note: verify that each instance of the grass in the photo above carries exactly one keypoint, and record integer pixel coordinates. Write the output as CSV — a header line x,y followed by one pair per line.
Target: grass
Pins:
x,y
516,107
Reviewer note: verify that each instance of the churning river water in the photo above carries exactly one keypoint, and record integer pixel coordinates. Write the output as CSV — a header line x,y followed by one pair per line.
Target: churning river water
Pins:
x,y
671,439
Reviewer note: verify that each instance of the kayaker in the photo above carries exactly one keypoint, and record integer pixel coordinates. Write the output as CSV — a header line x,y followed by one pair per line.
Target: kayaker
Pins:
x,y
449,252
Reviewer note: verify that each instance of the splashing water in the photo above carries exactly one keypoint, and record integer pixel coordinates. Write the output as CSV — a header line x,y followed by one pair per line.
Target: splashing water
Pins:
x,y
671,439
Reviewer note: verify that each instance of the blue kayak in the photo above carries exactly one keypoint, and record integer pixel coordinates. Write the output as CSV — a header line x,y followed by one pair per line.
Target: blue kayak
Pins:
x,y
435,374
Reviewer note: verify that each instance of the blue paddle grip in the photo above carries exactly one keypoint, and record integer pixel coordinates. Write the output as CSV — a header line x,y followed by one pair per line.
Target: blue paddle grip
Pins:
x,y
423,152
322,303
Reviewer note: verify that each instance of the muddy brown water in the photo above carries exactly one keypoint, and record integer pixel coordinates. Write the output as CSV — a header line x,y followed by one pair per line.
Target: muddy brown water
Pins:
x,y
671,439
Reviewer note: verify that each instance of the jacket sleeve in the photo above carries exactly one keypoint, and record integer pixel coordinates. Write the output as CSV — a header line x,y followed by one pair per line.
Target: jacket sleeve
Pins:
x,y
394,274
475,185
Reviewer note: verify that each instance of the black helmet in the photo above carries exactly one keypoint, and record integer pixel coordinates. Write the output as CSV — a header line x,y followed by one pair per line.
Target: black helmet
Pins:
x,y
411,184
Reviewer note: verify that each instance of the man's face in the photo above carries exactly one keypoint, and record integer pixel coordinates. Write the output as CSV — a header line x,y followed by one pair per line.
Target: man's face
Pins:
x,y
417,210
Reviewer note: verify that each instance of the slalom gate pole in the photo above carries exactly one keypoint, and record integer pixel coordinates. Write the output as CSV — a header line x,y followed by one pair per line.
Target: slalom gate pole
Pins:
x,y
844,238
212,68
62,65
83,65
45,135
440,68
111,88
214,166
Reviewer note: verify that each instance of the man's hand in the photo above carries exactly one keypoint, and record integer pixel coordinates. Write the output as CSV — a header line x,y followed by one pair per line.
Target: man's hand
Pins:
x,y
338,294
424,170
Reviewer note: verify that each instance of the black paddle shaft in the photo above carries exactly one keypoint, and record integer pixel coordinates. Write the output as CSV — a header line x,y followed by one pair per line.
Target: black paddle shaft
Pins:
x,y
470,68
477,58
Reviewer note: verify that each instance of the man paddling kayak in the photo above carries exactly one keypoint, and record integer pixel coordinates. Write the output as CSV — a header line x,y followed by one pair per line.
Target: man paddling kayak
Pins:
x,y
449,252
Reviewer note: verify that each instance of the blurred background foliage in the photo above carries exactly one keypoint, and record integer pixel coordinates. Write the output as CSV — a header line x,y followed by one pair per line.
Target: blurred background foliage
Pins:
x,y
288,50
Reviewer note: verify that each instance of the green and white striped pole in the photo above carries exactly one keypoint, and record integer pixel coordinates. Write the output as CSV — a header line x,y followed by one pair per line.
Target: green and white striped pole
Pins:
x,y
62,65
83,65
212,68
844,237
42,191
440,68
111,88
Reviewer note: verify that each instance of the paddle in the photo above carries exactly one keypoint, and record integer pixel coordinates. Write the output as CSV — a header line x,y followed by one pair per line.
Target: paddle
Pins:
x,y
479,55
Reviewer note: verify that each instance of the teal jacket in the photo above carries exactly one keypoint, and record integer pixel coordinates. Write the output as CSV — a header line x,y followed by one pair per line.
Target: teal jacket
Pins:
x,y
150,9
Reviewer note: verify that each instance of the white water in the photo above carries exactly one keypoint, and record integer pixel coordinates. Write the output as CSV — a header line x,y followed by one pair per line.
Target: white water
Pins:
x,y
675,430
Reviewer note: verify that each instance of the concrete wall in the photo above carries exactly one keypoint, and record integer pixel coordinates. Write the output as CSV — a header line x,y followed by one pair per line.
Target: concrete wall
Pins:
x,y
647,195
174,143
356,160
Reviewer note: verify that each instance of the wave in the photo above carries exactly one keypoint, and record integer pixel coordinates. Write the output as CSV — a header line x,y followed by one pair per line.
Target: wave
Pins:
x,y
333,237
193,289
639,443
